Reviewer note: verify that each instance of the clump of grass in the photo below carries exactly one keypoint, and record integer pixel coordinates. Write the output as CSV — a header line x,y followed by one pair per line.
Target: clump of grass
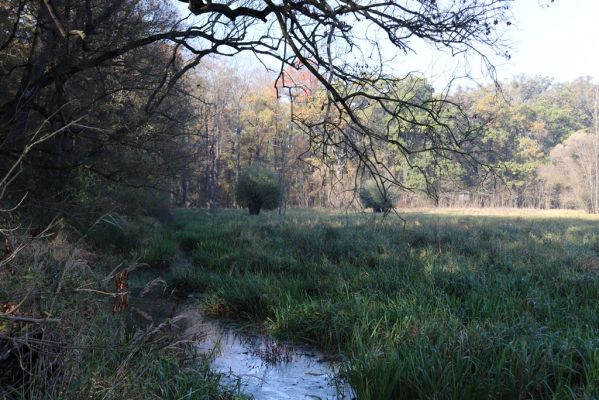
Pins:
x,y
272,351
144,239
443,306
113,233
159,251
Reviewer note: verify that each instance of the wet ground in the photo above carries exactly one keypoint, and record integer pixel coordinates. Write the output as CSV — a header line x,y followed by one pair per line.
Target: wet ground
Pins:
x,y
256,364
267,369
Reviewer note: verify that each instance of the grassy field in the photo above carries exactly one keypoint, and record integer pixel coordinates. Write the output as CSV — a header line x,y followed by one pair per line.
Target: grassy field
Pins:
x,y
446,305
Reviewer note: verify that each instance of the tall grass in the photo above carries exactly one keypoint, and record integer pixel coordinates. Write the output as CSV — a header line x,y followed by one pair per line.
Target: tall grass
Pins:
x,y
442,306
143,239
59,338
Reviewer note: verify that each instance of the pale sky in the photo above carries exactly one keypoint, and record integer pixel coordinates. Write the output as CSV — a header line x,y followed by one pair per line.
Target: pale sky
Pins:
x,y
560,40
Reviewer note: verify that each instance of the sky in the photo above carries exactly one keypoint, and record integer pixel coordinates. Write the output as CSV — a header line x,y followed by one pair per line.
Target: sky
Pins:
x,y
561,40
558,39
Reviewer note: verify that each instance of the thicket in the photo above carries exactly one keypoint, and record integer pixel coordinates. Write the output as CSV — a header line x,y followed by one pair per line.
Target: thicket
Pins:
x,y
379,196
67,333
99,134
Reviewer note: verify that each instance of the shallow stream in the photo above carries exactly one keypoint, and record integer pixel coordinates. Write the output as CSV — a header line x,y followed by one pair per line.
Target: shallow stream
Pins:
x,y
270,370
255,363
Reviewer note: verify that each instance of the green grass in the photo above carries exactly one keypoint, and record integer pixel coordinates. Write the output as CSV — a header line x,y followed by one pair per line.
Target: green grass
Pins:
x,y
443,306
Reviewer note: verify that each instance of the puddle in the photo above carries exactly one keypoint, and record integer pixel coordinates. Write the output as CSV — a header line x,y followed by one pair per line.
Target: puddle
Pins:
x,y
269,370
258,366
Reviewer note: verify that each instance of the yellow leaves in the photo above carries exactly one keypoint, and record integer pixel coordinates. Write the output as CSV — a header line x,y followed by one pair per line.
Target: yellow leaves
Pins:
x,y
538,127
529,148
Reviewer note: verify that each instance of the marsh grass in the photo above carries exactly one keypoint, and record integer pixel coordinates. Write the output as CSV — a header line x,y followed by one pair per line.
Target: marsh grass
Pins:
x,y
443,306
143,240
75,347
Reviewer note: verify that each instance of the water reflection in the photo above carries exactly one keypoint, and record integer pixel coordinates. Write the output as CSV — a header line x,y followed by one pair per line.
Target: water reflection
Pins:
x,y
270,370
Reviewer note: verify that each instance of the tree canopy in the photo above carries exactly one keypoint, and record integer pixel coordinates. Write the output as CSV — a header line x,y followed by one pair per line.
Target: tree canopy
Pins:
x,y
112,80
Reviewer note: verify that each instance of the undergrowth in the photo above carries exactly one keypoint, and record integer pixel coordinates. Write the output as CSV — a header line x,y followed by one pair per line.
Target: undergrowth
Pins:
x,y
61,339
143,239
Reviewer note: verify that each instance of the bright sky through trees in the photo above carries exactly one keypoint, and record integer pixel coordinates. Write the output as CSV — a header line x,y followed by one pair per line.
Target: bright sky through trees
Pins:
x,y
559,40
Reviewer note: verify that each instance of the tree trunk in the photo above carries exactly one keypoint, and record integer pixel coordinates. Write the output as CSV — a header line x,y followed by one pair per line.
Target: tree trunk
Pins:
x,y
15,113
254,207
595,192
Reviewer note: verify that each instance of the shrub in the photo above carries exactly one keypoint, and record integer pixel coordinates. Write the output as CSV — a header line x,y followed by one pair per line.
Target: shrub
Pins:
x,y
258,188
381,197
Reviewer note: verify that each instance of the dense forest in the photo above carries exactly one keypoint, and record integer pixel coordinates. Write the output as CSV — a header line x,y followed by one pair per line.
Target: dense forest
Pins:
x,y
135,136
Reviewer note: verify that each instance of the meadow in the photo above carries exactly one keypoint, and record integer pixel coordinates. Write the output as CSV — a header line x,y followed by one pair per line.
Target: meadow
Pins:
x,y
440,305
437,304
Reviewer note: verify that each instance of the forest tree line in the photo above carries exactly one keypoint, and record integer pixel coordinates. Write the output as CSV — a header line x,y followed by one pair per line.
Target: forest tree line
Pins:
x,y
115,106
538,137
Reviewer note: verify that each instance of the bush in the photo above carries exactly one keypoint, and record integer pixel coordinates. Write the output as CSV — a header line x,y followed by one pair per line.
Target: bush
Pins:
x,y
381,197
258,188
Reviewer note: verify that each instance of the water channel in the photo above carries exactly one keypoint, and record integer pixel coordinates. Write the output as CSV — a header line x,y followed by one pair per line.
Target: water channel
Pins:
x,y
270,370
